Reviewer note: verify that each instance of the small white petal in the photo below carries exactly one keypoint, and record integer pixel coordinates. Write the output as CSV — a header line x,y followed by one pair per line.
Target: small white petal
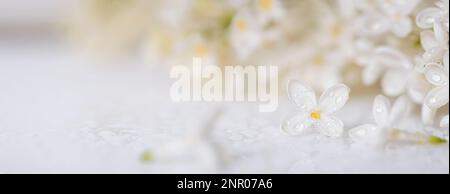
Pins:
x,y
374,25
440,33
297,124
428,40
302,95
437,97
371,73
394,81
426,18
399,109
362,132
418,87
334,98
436,75
330,126
391,57
427,115
444,122
402,28
381,107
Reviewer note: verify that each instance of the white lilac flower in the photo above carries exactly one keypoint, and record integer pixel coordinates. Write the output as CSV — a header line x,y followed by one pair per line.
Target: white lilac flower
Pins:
x,y
316,115
433,17
435,44
328,67
390,64
392,16
385,131
386,118
437,75
245,34
196,47
270,10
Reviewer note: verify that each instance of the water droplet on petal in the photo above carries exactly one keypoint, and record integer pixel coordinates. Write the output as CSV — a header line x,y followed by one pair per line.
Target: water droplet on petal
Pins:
x,y
432,100
436,78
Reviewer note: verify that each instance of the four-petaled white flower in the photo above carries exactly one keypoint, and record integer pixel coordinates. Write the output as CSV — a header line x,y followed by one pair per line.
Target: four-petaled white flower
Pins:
x,y
439,95
313,115
385,117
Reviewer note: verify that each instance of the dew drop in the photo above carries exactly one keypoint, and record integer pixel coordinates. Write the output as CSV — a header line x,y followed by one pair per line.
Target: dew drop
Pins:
x,y
436,78
432,100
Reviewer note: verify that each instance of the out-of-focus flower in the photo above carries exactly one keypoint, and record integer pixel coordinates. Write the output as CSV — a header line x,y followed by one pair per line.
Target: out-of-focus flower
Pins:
x,y
245,34
392,16
386,117
434,17
390,64
326,67
270,10
313,115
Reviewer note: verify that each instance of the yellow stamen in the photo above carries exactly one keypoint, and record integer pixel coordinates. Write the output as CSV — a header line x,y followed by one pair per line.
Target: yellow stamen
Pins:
x,y
337,30
200,50
241,25
266,4
315,115
318,60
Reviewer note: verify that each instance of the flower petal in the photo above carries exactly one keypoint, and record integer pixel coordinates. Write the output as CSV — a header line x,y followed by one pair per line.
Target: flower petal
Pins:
x,y
436,75
426,18
334,98
381,107
302,95
428,40
427,115
444,122
402,28
399,109
394,82
330,126
296,124
440,33
371,73
418,87
437,97
362,131
391,57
